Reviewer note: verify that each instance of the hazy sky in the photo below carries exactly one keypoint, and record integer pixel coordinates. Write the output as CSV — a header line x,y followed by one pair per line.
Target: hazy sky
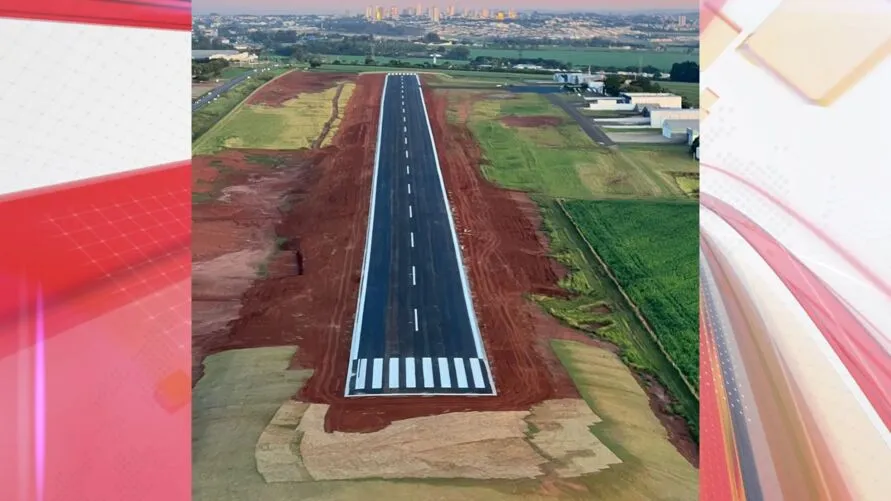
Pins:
x,y
356,6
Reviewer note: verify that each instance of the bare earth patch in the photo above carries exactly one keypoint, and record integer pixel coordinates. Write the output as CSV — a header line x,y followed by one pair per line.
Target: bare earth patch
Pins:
x,y
554,438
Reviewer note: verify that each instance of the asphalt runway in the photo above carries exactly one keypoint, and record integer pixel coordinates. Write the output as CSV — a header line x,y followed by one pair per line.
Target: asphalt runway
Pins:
x,y
586,123
415,332
217,91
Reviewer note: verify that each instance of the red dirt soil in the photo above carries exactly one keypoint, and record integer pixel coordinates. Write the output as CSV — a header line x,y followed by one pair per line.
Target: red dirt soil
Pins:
x,y
289,85
506,255
533,121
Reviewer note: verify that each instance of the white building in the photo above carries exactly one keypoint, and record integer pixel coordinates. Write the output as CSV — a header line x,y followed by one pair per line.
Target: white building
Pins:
x,y
660,115
241,57
663,99
576,78
609,103
674,129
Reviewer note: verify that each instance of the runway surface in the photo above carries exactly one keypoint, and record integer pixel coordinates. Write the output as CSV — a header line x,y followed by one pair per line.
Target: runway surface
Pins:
x,y
586,123
415,332
217,91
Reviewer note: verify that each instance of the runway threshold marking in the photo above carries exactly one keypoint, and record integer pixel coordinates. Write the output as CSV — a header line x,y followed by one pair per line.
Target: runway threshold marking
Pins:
x,y
460,373
477,373
360,374
445,379
377,376
393,380
409,373
427,364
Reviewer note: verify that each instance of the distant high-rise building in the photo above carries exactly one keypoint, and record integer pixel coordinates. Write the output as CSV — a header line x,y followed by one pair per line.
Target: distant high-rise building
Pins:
x,y
419,11
682,20
466,12
499,16
394,12
451,11
484,14
512,13
434,14
378,13
369,13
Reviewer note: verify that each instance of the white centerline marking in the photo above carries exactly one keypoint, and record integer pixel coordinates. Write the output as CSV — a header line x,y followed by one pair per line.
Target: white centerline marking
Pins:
x,y
403,110
406,154
427,364
403,119
412,235
413,282
416,320
407,170
409,373
406,140
393,380
477,373
444,380
377,374
409,188
404,129
409,212
460,374
360,375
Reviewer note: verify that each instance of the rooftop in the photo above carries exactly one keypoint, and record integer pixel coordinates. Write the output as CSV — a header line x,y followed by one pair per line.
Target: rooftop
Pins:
x,y
681,124
650,94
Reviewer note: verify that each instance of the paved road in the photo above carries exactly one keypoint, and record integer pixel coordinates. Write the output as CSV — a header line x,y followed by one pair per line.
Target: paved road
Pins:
x,y
586,123
216,91
415,330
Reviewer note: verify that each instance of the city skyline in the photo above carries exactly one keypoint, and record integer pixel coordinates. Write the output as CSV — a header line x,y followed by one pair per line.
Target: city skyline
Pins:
x,y
358,6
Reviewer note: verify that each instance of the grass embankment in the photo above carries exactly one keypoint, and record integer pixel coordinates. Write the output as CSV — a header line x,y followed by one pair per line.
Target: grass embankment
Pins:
x,y
560,162
651,466
294,125
208,116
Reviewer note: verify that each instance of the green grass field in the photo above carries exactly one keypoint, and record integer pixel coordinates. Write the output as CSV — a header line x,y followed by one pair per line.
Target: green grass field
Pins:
x,y
652,248
385,59
596,57
294,125
683,89
563,162
206,117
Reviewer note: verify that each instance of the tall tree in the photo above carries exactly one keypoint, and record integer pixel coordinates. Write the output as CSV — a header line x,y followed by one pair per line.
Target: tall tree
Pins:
x,y
688,71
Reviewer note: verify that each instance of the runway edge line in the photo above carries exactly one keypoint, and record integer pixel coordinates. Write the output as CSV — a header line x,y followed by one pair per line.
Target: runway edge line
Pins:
x,y
468,301
363,285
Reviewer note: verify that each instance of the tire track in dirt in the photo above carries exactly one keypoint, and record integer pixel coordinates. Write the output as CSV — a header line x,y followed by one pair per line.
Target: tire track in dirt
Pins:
x,y
326,129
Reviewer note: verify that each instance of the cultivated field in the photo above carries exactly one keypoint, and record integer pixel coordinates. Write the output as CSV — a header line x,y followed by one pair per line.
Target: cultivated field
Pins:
x,y
652,248
596,57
